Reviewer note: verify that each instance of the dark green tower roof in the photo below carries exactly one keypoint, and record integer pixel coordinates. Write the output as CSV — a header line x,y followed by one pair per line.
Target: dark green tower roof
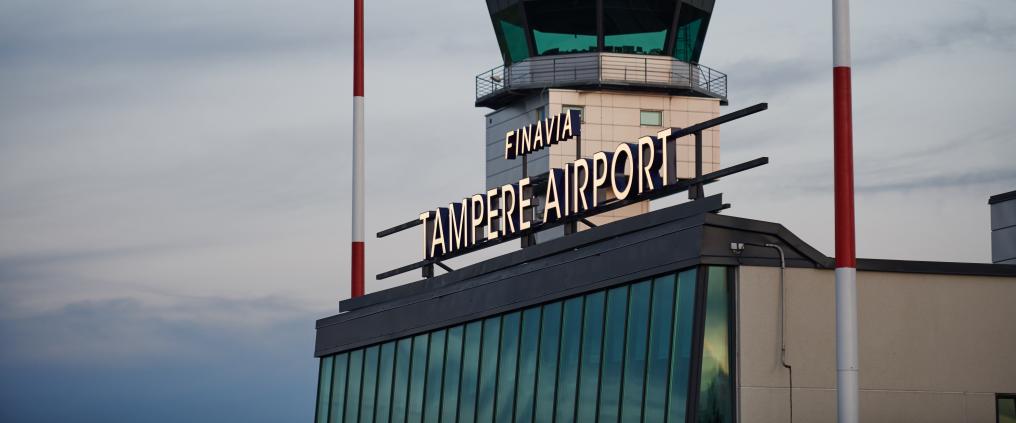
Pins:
x,y
530,28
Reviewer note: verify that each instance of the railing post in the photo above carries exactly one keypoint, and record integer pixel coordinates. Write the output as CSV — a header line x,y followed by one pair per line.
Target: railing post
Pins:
x,y
645,69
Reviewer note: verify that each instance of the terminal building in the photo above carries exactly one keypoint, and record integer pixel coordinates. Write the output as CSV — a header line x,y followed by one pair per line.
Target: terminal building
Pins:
x,y
682,314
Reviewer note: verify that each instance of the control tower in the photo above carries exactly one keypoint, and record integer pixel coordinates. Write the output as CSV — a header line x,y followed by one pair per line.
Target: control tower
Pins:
x,y
631,67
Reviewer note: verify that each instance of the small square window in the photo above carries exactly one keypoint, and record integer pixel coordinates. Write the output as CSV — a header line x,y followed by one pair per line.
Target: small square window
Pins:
x,y
651,118
582,116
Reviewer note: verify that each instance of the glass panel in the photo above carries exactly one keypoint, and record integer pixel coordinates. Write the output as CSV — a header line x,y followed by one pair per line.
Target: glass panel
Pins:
x,y
337,409
589,368
470,372
562,26
435,373
353,385
324,389
684,312
650,118
506,373
452,369
417,379
636,26
635,352
400,393
369,384
660,327
613,353
488,370
528,349
568,368
715,402
1007,410
511,35
386,369
567,109
546,373
690,34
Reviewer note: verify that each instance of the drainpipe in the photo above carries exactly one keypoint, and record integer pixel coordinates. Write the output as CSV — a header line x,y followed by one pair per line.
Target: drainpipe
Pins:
x,y
783,326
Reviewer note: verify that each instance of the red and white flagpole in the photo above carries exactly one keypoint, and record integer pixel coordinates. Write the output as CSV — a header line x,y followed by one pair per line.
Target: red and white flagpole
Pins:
x,y
846,261
356,281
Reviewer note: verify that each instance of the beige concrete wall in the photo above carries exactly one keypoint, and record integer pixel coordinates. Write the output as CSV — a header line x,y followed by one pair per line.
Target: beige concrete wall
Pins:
x,y
610,118
933,348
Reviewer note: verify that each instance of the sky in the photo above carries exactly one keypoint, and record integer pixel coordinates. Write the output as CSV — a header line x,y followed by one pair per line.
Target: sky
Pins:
x,y
175,176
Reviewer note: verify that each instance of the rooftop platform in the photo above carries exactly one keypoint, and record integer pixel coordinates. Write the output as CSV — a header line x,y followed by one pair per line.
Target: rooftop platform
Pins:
x,y
503,84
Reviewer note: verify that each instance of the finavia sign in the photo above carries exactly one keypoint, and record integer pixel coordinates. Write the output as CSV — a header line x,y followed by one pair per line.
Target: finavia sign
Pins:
x,y
584,184
635,171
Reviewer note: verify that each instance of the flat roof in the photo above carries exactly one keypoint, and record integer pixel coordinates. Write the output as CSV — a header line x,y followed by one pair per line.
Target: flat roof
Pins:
x,y
658,242
1005,196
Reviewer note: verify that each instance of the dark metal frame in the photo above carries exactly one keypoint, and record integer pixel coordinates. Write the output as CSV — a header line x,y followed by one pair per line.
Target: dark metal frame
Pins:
x,y
695,187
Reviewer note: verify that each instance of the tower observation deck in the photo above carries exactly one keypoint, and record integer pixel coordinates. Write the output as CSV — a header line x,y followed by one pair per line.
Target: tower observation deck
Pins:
x,y
632,45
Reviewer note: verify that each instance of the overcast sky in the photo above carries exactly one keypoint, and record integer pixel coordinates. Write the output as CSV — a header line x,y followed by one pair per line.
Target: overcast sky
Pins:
x,y
174,176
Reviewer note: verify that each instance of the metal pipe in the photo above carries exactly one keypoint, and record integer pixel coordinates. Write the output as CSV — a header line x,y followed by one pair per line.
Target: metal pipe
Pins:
x,y
783,326
847,369
357,247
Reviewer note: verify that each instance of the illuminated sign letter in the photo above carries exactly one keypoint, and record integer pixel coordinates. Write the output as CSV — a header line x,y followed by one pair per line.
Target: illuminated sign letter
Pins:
x,y
552,205
509,145
622,157
493,211
525,204
458,225
649,165
580,186
508,199
476,214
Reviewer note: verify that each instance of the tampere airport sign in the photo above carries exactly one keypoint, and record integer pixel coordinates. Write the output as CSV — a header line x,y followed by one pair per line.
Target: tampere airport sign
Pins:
x,y
634,171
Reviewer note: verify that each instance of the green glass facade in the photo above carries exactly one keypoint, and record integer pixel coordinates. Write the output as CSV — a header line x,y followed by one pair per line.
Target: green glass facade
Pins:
x,y
550,27
623,354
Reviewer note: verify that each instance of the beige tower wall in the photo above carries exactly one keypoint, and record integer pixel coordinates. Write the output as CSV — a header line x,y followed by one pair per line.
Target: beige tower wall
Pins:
x,y
610,118
933,348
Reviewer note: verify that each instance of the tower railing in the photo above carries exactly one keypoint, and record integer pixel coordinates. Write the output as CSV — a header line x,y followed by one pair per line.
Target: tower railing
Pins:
x,y
602,69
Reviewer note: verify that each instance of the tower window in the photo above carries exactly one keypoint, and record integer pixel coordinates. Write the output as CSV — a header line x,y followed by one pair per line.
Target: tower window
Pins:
x,y
651,118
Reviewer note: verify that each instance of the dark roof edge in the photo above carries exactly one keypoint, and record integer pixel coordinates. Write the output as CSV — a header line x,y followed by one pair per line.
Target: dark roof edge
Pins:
x,y
684,210
1005,196
744,224
936,267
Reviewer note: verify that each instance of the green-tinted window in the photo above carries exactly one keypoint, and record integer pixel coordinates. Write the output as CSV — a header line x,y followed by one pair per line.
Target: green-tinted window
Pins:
x,y
715,392
417,379
613,354
562,26
324,388
452,368
353,385
568,368
635,352
621,354
690,33
370,357
339,372
488,370
658,360
1006,405
680,364
507,366
651,118
511,35
589,368
470,371
400,394
529,344
385,371
546,378
637,26
435,376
